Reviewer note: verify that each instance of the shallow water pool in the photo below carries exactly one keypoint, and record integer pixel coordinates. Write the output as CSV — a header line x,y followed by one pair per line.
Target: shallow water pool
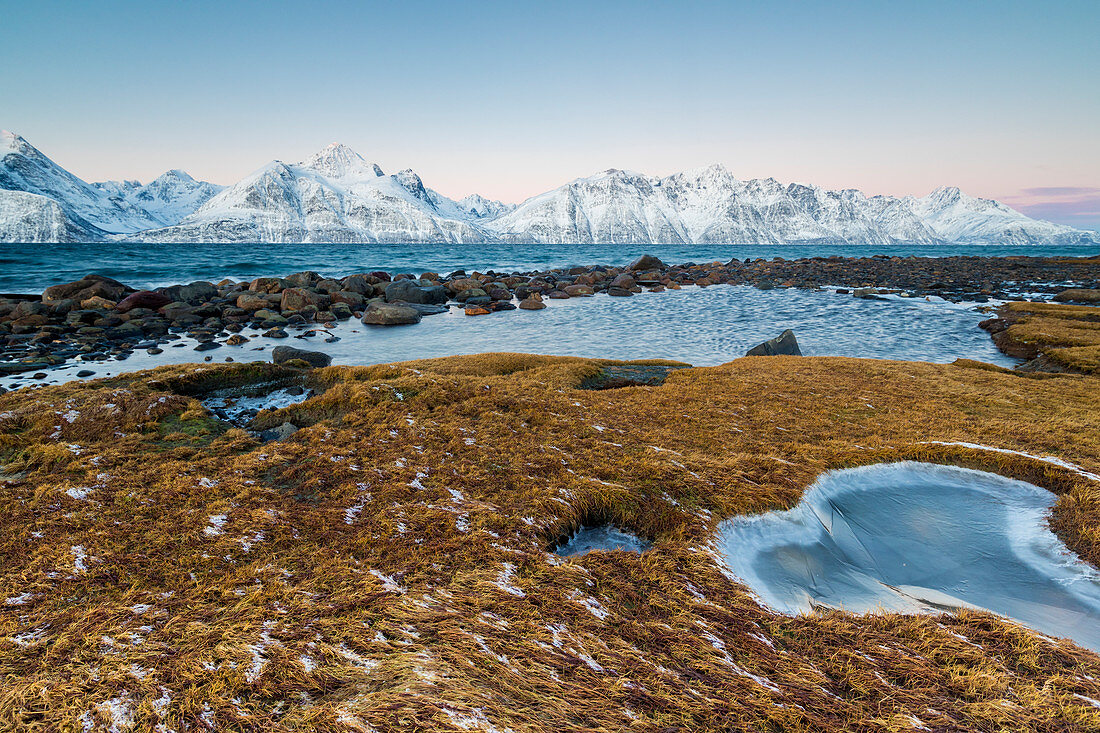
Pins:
x,y
703,327
604,537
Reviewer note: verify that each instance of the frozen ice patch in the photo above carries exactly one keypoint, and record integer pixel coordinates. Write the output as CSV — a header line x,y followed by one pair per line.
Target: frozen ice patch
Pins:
x,y
916,538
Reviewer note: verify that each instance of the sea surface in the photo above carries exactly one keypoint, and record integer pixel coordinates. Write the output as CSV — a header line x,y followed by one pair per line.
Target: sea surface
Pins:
x,y
29,268
700,326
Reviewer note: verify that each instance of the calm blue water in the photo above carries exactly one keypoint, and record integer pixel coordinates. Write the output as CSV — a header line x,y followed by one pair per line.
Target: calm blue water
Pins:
x,y
700,326
32,267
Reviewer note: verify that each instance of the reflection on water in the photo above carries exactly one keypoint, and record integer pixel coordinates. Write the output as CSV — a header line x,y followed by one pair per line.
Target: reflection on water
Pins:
x,y
703,327
916,537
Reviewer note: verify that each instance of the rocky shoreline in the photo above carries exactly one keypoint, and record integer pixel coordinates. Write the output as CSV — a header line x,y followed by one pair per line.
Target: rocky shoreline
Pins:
x,y
98,318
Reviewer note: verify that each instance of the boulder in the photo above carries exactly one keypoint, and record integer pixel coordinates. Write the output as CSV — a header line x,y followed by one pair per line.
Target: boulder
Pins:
x,y
88,287
1079,295
267,285
196,292
645,262
283,354
250,301
302,279
358,284
464,283
409,292
97,303
143,299
579,290
532,302
624,281
390,314
295,299
785,344
348,297
477,310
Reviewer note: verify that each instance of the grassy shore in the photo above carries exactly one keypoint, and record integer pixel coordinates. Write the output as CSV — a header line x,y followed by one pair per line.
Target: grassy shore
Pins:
x,y
386,567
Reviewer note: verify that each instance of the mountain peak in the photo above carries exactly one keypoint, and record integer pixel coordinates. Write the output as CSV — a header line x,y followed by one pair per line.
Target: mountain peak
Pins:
x,y
338,160
13,143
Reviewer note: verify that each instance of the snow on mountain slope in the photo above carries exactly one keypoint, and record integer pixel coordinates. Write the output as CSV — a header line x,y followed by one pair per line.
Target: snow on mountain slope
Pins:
x,y
96,208
956,217
711,206
335,196
166,199
29,217
707,205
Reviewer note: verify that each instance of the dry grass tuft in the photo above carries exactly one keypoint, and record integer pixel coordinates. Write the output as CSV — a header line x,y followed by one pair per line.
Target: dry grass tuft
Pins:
x,y
385,568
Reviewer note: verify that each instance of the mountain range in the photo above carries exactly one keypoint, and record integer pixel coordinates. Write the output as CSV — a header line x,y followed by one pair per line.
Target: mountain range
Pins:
x,y
337,196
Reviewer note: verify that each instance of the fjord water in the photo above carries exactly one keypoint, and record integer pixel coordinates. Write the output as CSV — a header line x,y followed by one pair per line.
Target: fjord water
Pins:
x,y
701,326
916,537
29,268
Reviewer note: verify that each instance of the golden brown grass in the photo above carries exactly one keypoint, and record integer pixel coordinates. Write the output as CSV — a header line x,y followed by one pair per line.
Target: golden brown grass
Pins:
x,y
1067,335
385,568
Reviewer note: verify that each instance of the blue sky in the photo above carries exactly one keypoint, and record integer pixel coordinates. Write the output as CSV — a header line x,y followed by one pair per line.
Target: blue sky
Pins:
x,y
511,99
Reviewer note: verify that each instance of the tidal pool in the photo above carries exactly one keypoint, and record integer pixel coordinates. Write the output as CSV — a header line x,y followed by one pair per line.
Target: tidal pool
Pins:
x,y
700,326
918,538
604,537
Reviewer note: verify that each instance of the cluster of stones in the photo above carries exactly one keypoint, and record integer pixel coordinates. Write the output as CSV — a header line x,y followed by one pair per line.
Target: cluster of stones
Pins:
x,y
97,318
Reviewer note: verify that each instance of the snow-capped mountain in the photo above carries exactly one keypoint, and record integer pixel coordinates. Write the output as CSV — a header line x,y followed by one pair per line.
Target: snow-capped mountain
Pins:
x,y
711,206
337,196
81,211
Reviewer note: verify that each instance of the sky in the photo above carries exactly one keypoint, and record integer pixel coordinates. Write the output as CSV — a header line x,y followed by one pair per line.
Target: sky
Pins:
x,y
511,99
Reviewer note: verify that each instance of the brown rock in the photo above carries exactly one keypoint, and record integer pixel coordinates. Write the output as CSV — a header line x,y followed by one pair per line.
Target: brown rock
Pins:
x,y
267,285
359,284
623,281
348,297
465,283
251,301
97,303
1078,295
295,299
90,286
477,310
143,299
532,302
579,290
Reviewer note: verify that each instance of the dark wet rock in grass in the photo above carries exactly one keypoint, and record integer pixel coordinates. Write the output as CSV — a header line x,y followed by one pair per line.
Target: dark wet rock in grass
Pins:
x,y
630,375
283,354
785,344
